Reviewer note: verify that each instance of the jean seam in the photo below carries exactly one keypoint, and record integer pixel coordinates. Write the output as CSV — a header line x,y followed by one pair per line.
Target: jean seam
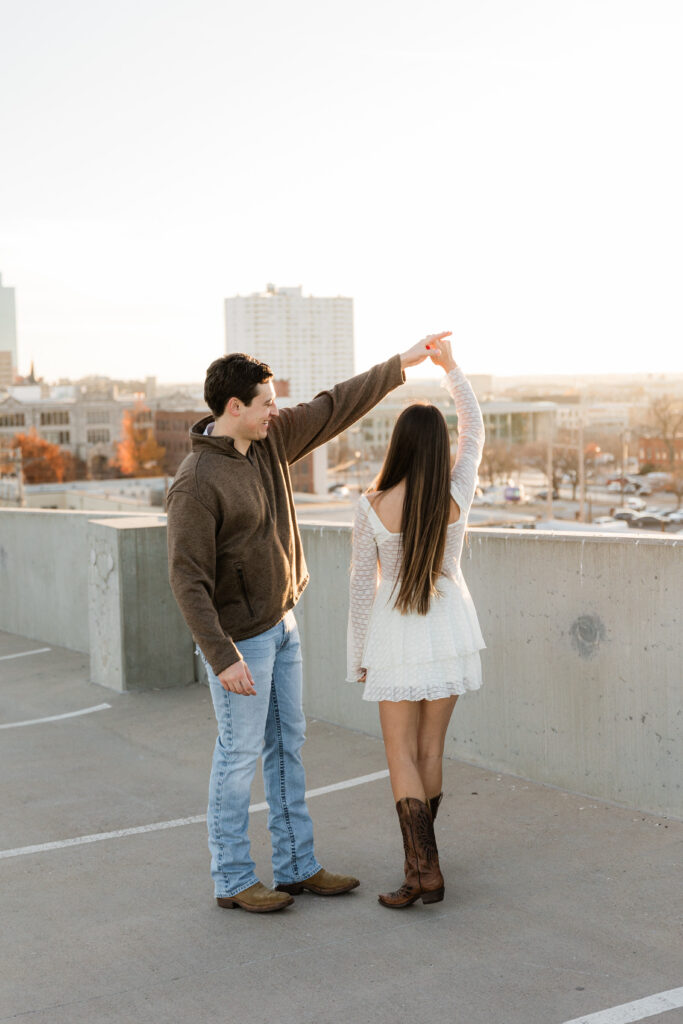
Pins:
x,y
283,787
217,831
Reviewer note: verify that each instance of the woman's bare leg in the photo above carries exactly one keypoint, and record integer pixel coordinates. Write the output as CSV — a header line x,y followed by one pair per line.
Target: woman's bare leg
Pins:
x,y
400,729
432,725
400,721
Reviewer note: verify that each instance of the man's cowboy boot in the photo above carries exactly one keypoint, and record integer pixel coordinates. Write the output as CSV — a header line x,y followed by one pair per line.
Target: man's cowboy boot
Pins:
x,y
434,802
257,899
322,883
423,875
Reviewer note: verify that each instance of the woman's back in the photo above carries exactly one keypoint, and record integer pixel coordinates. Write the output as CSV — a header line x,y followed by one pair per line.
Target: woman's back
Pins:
x,y
384,516
389,506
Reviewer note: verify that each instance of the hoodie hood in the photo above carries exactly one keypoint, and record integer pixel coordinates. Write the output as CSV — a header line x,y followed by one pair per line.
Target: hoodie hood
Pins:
x,y
202,442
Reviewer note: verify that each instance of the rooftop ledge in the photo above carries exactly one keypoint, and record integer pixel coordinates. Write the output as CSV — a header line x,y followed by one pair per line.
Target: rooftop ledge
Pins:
x,y
582,674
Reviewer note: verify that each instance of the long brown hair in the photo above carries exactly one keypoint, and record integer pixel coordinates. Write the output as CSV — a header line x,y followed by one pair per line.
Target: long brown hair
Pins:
x,y
419,453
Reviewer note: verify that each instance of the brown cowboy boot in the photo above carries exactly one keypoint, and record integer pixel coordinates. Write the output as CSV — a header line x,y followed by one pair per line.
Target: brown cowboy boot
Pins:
x,y
322,883
423,875
434,802
257,899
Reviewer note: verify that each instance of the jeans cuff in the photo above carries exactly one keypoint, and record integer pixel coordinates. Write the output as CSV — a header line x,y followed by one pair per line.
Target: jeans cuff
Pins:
x,y
237,891
300,878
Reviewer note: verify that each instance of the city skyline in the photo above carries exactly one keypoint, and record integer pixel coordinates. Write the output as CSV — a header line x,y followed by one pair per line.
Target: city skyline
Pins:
x,y
507,171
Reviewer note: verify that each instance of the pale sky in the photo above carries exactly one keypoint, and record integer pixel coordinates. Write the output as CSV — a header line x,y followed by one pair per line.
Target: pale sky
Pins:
x,y
508,169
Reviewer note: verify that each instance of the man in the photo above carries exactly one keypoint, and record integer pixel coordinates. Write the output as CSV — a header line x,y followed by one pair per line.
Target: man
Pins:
x,y
237,570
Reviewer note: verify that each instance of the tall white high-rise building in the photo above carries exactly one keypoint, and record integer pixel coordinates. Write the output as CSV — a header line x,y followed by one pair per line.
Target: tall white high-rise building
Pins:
x,y
8,335
306,340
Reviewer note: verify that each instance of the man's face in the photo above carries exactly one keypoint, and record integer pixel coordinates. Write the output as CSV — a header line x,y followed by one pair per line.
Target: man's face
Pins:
x,y
255,417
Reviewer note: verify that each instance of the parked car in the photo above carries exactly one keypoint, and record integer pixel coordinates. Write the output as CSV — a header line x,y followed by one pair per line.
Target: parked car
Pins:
x,y
675,515
339,492
513,493
626,514
637,503
502,494
630,485
543,495
648,522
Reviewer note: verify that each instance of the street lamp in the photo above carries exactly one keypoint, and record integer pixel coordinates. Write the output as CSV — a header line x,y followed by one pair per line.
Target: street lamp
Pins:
x,y
625,439
357,455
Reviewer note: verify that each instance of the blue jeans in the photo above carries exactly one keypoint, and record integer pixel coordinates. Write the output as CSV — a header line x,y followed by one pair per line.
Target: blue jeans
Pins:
x,y
270,724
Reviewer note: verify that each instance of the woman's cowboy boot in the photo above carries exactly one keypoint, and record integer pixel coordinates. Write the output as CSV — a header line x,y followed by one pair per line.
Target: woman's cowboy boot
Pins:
x,y
423,875
434,802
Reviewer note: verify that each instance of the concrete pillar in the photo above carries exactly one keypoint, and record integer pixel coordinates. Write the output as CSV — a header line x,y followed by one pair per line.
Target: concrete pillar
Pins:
x,y
320,470
138,639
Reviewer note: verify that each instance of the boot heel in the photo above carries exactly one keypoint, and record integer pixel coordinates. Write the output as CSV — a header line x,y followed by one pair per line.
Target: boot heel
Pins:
x,y
226,904
433,897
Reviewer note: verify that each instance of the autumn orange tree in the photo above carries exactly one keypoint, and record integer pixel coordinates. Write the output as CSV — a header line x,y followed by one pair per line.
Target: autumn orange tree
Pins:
x,y
42,462
138,454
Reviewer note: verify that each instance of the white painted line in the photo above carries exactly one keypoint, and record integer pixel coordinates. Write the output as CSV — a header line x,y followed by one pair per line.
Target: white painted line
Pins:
x,y
159,826
25,654
55,718
360,780
638,1010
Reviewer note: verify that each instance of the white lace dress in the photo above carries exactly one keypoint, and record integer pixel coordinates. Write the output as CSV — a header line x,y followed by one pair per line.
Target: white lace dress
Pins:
x,y
418,657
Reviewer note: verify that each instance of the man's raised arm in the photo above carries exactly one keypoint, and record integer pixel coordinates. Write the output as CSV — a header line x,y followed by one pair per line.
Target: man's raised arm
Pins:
x,y
310,424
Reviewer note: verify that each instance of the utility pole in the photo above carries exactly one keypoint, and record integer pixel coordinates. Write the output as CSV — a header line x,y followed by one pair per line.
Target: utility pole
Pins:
x,y
21,494
625,438
582,470
549,467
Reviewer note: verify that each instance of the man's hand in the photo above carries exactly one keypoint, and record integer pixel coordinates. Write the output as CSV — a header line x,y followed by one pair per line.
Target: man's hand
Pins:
x,y
419,352
441,354
238,679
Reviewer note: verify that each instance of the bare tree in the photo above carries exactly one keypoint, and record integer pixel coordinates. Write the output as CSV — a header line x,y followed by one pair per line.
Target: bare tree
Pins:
x,y
498,460
665,416
677,485
535,456
566,460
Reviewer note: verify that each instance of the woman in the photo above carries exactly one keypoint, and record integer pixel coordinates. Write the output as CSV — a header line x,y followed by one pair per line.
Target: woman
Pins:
x,y
414,638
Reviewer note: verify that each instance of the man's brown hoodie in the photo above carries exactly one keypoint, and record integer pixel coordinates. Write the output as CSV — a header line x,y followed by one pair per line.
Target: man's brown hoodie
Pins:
x,y
236,563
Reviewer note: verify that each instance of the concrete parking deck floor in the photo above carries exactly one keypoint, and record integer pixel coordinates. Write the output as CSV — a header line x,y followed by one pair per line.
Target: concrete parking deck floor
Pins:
x,y
556,907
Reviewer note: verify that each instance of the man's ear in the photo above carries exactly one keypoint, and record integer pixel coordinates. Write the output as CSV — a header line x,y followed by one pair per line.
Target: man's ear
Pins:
x,y
234,406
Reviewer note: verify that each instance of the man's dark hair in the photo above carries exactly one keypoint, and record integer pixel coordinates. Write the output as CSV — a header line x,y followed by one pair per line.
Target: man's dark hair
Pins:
x,y
233,376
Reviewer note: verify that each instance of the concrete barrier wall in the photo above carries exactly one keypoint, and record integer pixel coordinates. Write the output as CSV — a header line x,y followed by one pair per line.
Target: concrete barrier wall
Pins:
x,y
583,671
44,575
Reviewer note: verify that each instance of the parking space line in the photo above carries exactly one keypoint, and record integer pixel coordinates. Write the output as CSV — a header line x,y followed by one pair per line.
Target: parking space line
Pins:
x,y
640,1009
196,819
25,654
55,718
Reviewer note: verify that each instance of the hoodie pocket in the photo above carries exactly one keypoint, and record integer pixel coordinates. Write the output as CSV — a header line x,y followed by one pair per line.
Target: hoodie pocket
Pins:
x,y
243,587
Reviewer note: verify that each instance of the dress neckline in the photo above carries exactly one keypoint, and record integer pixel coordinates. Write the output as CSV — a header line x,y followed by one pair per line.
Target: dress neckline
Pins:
x,y
365,498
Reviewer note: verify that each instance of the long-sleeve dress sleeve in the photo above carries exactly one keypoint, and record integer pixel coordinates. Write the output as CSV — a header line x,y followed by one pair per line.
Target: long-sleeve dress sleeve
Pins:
x,y
363,588
470,438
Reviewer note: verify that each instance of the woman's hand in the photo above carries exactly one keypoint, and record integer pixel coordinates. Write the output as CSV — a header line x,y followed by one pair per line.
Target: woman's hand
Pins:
x,y
441,354
362,675
419,352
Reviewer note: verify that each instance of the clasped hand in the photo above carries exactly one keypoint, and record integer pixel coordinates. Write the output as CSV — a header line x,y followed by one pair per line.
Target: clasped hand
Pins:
x,y
436,346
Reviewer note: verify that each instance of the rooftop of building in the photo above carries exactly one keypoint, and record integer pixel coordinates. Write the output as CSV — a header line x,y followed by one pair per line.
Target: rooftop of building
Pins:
x,y
556,905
